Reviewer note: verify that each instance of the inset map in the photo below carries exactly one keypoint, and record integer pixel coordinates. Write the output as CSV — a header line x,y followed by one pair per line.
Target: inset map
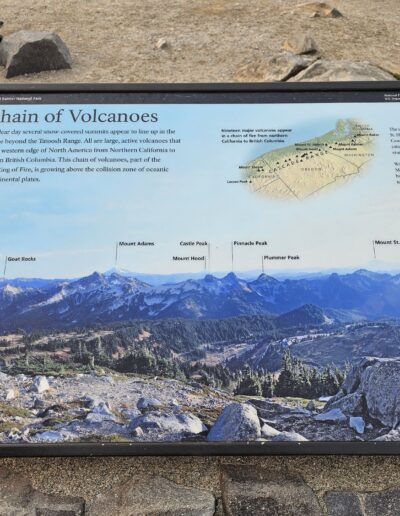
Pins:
x,y
307,168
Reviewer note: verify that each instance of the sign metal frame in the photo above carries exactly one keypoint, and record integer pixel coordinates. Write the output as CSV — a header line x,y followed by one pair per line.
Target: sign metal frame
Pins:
x,y
221,93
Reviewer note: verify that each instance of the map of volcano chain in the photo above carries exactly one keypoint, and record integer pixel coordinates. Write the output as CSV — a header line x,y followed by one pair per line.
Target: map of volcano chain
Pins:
x,y
310,167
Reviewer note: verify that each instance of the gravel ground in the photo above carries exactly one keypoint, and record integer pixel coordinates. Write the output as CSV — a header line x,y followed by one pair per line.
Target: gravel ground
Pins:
x,y
114,40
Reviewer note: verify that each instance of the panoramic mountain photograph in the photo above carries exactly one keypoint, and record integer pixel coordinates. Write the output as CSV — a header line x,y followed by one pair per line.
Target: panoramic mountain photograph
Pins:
x,y
111,357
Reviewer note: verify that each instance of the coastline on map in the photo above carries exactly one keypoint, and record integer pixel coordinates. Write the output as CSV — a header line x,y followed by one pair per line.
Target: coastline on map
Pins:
x,y
308,168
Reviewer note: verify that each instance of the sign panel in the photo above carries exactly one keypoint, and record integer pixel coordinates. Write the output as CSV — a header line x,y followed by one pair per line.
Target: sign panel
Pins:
x,y
200,267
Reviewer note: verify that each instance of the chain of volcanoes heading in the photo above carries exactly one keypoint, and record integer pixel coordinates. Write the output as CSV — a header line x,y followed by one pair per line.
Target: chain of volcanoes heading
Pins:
x,y
111,297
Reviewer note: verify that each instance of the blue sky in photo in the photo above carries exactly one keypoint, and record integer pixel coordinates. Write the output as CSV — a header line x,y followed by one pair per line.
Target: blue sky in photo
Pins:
x,y
71,222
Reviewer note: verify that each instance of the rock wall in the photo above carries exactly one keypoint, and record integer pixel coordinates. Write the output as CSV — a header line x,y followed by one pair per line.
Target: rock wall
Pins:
x,y
201,486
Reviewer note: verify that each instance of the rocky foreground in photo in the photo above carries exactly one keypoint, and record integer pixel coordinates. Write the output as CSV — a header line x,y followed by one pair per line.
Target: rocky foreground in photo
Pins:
x,y
94,407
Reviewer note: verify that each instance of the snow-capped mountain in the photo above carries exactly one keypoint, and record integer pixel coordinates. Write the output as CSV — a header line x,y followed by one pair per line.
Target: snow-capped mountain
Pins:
x,y
103,298
162,279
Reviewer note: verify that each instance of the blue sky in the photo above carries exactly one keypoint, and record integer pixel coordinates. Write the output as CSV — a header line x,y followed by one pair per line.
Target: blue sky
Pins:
x,y
72,222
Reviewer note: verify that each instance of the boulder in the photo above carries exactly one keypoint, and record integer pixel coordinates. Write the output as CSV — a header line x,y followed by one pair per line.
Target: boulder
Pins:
x,y
300,44
107,379
143,495
285,65
130,413
351,405
12,394
137,432
101,412
327,71
51,436
390,67
289,436
165,422
331,416
268,431
325,398
94,425
237,422
376,381
30,52
266,405
353,378
280,67
148,404
250,490
38,403
197,385
319,10
40,384
393,435
311,406
90,401
357,423
267,409
14,434
380,386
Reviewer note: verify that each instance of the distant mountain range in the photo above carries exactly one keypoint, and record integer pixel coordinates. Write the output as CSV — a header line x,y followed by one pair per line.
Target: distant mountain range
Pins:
x,y
110,297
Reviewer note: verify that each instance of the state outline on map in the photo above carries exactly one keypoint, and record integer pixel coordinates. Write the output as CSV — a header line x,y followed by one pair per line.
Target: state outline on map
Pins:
x,y
304,169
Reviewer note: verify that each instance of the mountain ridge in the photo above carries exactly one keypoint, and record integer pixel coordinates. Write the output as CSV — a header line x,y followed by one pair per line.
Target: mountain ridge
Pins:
x,y
109,297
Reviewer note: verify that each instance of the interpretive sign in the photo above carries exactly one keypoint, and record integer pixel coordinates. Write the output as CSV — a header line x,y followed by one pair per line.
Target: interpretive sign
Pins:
x,y
200,269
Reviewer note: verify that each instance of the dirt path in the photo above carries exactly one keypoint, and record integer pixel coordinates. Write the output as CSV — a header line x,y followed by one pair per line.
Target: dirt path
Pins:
x,y
113,40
